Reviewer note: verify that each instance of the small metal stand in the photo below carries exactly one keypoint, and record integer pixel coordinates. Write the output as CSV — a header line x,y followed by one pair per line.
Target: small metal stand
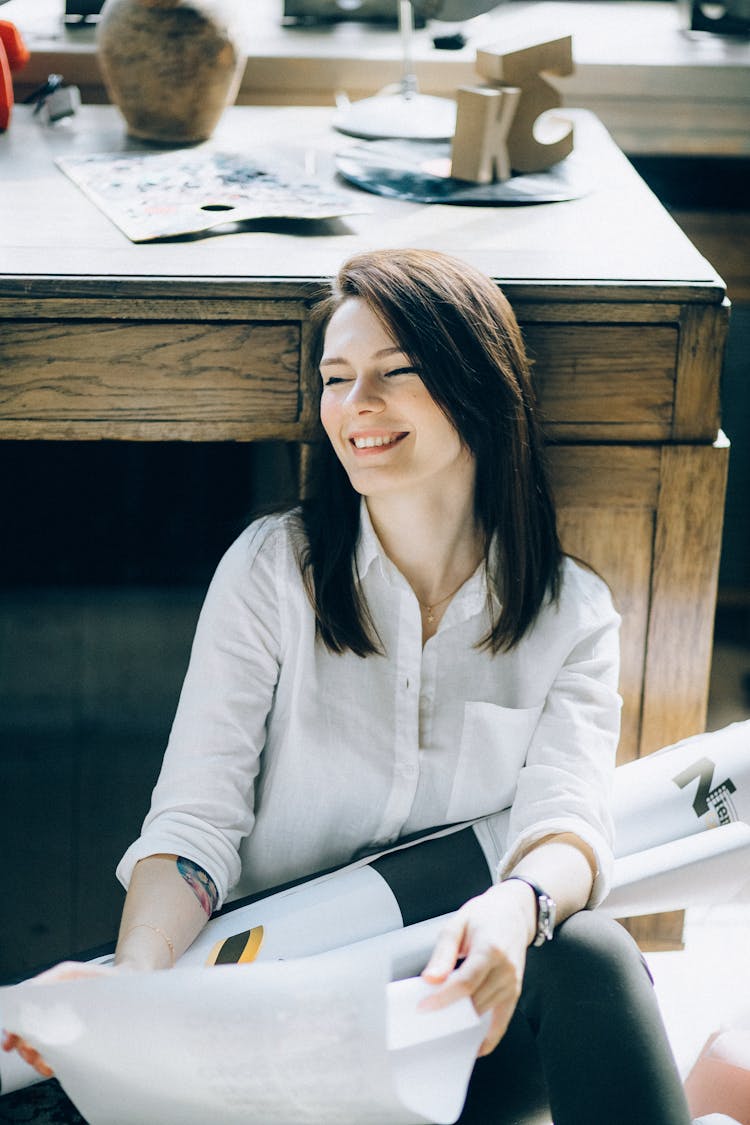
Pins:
x,y
400,111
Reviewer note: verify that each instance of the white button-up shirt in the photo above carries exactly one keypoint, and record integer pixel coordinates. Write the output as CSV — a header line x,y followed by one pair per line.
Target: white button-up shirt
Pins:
x,y
285,759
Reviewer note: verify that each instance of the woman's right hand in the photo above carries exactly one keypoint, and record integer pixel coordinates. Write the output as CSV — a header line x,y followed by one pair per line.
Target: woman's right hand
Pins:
x,y
66,970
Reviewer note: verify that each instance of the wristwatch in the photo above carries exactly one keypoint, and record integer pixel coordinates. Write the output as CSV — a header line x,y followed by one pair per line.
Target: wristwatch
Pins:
x,y
546,910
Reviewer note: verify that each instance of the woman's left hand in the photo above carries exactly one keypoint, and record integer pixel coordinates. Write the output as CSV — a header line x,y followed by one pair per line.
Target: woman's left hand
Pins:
x,y
491,933
65,971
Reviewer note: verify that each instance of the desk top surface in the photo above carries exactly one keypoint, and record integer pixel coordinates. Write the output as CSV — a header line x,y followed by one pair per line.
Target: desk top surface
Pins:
x,y
617,241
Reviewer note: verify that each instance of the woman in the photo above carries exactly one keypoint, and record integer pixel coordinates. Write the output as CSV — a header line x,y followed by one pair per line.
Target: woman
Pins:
x,y
408,649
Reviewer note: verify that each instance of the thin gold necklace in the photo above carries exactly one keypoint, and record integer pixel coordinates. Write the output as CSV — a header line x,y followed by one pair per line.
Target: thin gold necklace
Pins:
x,y
429,609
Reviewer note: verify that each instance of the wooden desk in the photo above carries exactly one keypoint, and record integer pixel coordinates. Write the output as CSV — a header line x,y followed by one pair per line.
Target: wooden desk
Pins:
x,y
208,340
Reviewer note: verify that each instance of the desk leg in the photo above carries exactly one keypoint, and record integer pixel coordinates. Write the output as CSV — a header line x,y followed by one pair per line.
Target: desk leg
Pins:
x,y
680,631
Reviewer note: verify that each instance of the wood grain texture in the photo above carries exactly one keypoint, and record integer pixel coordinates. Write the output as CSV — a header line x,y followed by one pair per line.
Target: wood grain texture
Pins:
x,y
614,476
607,500
703,334
87,371
685,574
654,298
618,543
135,429
658,933
591,311
152,300
604,373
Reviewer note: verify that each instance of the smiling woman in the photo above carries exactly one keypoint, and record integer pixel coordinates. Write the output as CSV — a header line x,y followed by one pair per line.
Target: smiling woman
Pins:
x,y
423,353
407,648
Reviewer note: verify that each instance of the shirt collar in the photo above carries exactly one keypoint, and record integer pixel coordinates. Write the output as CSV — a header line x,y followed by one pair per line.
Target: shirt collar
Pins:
x,y
370,549
471,598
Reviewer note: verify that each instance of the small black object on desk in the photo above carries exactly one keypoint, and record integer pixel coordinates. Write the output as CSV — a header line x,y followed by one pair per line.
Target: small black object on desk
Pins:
x,y
78,11
453,42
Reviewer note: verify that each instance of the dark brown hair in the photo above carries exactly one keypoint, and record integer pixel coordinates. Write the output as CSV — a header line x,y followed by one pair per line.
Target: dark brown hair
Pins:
x,y
459,331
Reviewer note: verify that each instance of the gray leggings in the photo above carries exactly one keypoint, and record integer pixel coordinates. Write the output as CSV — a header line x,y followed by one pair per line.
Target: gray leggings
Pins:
x,y
586,1045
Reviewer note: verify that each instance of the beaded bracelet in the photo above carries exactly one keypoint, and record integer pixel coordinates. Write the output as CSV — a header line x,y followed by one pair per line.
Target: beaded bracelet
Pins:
x,y
157,930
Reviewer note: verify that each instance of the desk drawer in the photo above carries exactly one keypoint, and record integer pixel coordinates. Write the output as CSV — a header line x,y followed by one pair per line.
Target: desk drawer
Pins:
x,y
613,381
161,379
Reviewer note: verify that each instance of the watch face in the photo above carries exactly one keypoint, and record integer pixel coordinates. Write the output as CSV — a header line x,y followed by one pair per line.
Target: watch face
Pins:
x,y
546,919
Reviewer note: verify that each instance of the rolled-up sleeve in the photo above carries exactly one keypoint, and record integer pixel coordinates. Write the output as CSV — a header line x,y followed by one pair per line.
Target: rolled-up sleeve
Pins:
x,y
203,802
565,784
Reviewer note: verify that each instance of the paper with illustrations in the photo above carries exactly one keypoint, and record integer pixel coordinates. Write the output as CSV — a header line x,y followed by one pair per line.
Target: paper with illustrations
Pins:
x,y
301,1042
187,191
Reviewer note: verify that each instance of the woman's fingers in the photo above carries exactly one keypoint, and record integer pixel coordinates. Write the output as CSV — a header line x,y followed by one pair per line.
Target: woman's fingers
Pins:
x,y
28,1054
487,978
33,1058
496,989
501,1017
446,951
464,981
72,970
66,970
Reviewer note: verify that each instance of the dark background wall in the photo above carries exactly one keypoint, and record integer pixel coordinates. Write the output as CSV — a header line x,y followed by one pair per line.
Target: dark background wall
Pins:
x,y
107,552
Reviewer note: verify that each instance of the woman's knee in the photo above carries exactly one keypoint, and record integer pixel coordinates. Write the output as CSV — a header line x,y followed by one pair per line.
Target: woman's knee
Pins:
x,y
594,935
589,954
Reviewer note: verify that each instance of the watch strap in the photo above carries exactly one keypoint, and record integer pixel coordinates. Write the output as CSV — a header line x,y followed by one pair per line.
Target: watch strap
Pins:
x,y
545,910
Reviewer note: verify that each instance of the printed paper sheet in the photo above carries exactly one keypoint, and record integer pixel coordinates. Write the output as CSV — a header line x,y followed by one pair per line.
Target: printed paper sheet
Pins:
x,y
286,1043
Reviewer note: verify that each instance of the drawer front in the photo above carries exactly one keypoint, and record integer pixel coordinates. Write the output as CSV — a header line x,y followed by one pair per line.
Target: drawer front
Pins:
x,y
610,381
149,372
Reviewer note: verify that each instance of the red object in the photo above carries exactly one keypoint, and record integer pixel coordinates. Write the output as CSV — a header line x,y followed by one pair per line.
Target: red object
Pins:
x,y
13,55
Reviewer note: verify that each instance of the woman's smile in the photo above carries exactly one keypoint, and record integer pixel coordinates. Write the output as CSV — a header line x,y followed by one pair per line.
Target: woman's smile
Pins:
x,y
368,442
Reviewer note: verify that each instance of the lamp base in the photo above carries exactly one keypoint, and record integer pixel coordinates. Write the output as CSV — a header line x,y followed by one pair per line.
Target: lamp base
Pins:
x,y
414,117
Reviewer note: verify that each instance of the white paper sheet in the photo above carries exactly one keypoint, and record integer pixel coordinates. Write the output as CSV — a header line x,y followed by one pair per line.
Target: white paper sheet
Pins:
x,y
699,870
293,1043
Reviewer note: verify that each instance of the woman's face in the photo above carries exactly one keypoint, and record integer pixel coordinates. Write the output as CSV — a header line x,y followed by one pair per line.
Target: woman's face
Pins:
x,y
385,427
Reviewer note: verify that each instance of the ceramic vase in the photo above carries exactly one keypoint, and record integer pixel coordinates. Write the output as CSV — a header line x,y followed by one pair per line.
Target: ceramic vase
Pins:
x,y
171,66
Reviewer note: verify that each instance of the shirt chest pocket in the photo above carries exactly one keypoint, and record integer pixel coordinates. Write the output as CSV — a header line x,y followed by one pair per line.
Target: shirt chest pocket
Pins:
x,y
494,742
